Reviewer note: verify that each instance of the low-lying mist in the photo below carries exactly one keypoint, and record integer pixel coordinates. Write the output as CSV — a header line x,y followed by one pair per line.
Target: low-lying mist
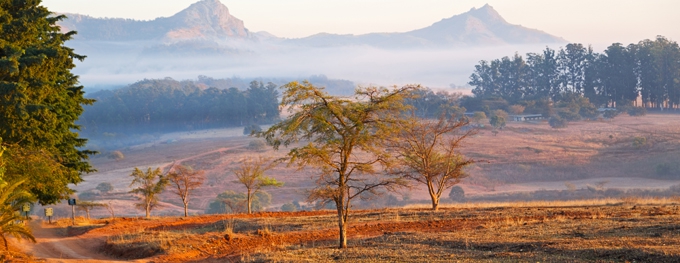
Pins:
x,y
119,64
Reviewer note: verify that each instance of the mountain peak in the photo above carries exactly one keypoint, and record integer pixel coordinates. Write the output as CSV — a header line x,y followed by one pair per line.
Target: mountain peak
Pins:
x,y
487,14
206,19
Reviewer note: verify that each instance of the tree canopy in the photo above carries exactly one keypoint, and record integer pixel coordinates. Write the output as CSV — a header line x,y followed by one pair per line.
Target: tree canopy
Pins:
x,y
167,104
40,99
343,138
430,153
614,78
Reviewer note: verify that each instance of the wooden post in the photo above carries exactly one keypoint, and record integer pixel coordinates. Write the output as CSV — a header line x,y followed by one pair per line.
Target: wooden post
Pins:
x,y
72,202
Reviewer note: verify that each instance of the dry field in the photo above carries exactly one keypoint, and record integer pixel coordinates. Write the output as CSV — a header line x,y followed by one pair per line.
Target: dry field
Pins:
x,y
631,230
524,157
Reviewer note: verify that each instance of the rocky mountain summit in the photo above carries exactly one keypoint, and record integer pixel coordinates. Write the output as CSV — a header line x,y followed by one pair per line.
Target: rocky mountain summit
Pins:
x,y
203,20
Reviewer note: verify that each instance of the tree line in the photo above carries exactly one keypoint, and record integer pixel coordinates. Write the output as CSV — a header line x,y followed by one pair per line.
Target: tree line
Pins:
x,y
167,104
648,70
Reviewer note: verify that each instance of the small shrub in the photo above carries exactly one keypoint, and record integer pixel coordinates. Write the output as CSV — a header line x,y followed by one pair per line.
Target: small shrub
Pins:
x,y
116,155
457,193
639,142
478,116
637,111
517,109
497,121
501,113
569,115
105,187
557,122
257,145
89,195
250,129
288,207
610,114
588,111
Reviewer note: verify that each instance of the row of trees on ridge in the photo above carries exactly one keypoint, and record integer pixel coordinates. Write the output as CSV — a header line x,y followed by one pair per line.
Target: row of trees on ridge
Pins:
x,y
648,70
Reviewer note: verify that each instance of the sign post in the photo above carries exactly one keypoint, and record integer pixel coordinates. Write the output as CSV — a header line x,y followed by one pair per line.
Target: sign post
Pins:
x,y
26,208
49,213
72,203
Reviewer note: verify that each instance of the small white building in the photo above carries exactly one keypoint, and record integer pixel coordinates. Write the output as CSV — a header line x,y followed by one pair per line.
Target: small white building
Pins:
x,y
526,117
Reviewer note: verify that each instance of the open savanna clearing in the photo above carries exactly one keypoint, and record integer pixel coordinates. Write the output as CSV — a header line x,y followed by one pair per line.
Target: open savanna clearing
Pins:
x,y
523,157
633,230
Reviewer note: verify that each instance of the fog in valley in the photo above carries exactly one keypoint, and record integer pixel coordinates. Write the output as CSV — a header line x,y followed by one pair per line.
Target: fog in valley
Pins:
x,y
125,63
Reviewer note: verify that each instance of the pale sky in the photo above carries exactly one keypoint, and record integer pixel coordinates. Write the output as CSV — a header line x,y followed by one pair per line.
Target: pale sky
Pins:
x,y
597,22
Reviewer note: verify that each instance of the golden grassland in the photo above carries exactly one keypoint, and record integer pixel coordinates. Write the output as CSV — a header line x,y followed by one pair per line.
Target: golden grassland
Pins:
x,y
602,230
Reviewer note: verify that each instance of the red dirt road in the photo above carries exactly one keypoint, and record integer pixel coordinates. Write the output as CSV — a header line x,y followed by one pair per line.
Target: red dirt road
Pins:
x,y
54,246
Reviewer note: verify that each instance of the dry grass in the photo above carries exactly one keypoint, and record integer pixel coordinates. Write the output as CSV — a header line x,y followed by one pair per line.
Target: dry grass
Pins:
x,y
562,203
522,233
634,229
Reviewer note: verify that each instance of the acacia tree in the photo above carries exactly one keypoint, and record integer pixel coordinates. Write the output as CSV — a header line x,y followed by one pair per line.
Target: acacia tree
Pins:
x,y
150,184
251,175
40,100
430,154
344,139
184,180
87,206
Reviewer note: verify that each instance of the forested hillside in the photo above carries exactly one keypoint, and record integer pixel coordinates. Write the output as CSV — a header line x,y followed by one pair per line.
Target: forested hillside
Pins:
x,y
168,105
649,71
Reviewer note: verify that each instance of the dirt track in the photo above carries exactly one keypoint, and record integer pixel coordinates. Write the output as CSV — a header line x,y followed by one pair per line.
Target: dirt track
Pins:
x,y
55,246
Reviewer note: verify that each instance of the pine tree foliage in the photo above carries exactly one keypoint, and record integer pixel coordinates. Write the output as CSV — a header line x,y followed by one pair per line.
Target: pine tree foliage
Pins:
x,y
40,99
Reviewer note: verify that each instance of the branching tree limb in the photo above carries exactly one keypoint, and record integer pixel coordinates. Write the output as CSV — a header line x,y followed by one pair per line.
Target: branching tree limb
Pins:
x,y
343,138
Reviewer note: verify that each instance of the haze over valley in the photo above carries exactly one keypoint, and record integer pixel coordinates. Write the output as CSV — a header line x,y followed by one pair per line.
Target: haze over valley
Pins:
x,y
205,39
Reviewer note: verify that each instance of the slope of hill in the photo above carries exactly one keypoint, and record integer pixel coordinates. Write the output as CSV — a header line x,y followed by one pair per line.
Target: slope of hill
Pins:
x,y
483,26
211,20
203,20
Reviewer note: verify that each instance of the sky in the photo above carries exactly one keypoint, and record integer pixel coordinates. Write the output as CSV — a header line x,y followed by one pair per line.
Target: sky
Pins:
x,y
599,22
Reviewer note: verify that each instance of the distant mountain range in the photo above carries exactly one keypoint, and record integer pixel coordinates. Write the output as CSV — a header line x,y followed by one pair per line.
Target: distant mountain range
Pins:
x,y
205,39
210,20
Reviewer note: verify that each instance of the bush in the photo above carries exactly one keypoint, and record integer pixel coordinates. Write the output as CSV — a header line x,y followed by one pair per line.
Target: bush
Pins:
x,y
557,122
250,129
501,113
497,121
663,169
116,155
105,187
478,116
457,193
517,109
569,115
232,202
288,207
89,195
639,142
588,111
257,145
610,114
637,111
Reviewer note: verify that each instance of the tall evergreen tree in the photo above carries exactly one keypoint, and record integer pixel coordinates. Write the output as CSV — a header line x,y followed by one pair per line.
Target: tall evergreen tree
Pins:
x,y
619,81
572,65
543,74
591,76
40,99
